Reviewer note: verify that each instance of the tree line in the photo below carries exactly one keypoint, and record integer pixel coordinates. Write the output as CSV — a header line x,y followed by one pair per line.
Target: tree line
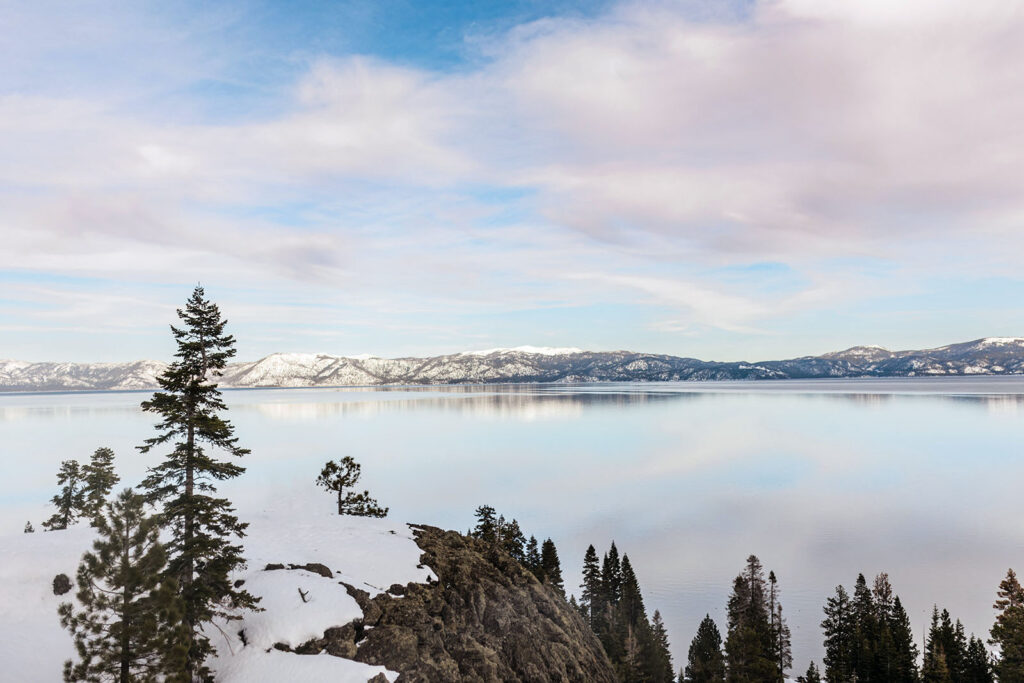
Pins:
x,y
867,637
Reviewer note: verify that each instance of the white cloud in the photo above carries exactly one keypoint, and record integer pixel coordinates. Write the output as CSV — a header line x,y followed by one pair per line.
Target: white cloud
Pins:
x,y
644,137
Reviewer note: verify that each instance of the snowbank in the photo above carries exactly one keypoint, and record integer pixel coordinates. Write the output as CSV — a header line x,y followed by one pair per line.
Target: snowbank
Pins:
x,y
371,554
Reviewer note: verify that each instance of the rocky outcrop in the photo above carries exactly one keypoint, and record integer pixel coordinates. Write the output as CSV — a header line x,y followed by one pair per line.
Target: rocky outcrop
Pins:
x,y
485,619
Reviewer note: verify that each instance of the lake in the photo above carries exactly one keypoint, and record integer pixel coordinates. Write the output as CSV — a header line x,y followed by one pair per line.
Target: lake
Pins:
x,y
920,478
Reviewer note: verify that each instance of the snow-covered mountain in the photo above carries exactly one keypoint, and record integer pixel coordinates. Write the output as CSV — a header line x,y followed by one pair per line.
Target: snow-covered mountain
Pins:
x,y
988,356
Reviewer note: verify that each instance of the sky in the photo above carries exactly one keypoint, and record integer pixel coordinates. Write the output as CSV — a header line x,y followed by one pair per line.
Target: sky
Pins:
x,y
724,180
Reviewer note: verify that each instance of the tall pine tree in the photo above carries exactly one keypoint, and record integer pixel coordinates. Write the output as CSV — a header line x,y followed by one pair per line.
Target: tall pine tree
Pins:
x,y
749,653
705,662
591,597
100,478
782,651
71,499
840,630
128,627
1008,631
201,526
551,568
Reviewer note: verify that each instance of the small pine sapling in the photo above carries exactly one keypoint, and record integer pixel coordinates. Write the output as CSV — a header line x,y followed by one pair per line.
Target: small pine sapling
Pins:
x,y
29,529
340,478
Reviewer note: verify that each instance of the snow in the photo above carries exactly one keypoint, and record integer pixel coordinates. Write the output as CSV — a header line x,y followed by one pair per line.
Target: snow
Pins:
x,y
1001,341
538,350
370,554
257,665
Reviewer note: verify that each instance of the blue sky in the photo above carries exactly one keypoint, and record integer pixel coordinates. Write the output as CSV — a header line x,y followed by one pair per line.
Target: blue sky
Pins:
x,y
744,180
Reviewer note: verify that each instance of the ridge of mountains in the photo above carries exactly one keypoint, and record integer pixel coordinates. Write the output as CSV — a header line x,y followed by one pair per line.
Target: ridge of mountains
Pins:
x,y
987,356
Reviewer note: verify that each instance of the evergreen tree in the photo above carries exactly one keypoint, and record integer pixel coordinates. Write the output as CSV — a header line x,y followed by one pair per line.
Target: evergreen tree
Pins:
x,y
486,527
903,659
936,666
71,500
100,479
657,667
631,602
513,541
1008,631
533,559
129,625
611,575
840,637
29,529
812,675
550,566
591,597
340,478
200,525
748,643
866,629
977,664
705,662
782,651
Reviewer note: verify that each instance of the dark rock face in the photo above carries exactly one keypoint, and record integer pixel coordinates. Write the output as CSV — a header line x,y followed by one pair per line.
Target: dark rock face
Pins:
x,y
485,619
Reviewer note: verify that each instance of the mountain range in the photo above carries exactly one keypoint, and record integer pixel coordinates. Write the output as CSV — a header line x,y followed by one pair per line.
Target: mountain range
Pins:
x,y
988,356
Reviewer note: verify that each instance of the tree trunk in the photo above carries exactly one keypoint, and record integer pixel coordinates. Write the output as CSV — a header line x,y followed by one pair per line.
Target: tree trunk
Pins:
x,y
126,626
188,568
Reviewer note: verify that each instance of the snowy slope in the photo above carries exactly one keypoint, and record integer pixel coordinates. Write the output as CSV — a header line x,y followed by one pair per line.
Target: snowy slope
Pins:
x,y
988,356
370,554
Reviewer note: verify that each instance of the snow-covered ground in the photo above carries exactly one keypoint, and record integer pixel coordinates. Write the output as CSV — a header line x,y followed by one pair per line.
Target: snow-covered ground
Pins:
x,y
371,554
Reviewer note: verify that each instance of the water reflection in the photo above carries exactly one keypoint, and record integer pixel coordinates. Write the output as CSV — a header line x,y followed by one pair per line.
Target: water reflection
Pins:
x,y
919,478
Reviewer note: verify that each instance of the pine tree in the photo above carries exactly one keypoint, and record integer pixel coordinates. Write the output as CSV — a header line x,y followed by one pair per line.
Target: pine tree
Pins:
x,y
129,625
611,575
936,667
550,566
812,675
29,529
782,651
903,660
200,525
977,664
486,527
705,662
631,602
591,597
748,643
100,479
840,630
71,499
1008,631
657,666
340,478
533,558
866,629
513,541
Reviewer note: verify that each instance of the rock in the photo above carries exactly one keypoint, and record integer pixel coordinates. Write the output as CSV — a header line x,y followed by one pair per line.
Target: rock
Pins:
x,y
485,619
314,567
397,589
61,584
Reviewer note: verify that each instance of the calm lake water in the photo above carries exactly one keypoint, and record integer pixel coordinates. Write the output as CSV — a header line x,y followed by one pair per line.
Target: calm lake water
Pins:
x,y
820,479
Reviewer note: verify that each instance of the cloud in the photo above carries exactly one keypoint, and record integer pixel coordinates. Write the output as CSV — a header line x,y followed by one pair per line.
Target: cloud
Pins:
x,y
644,148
